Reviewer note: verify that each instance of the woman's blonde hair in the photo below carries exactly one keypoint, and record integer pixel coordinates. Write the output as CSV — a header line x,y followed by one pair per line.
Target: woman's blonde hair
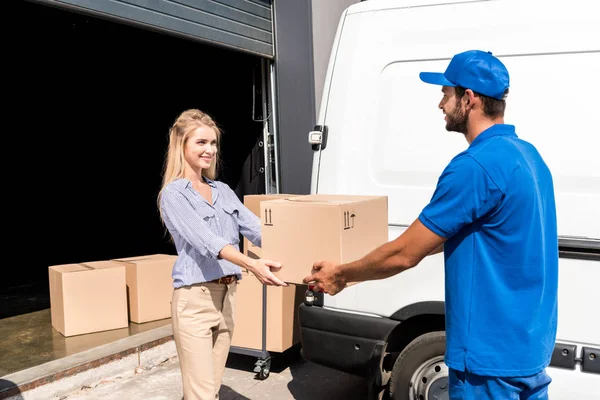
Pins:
x,y
186,123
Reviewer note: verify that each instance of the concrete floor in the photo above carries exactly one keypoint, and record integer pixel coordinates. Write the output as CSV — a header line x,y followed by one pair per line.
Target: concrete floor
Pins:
x,y
291,378
30,348
29,340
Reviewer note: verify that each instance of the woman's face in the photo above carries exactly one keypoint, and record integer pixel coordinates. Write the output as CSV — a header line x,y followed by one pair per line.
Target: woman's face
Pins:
x,y
200,148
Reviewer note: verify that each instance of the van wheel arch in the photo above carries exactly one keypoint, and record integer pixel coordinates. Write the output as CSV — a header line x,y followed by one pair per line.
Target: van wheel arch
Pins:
x,y
398,339
419,308
418,323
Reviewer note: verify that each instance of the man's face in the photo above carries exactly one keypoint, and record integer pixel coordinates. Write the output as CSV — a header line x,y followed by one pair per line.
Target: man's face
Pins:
x,y
456,117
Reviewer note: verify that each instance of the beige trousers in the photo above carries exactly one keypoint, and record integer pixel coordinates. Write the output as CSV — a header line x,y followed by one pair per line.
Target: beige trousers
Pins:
x,y
202,318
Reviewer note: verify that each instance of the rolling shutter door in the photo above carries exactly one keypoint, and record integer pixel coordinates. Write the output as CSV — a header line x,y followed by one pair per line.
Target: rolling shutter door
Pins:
x,y
244,25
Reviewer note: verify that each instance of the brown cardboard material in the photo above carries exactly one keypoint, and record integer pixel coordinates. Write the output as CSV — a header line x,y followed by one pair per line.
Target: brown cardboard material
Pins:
x,y
87,297
282,314
247,331
149,286
252,202
282,302
298,231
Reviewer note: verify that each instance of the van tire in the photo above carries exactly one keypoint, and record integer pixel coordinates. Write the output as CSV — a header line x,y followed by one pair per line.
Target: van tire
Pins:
x,y
425,353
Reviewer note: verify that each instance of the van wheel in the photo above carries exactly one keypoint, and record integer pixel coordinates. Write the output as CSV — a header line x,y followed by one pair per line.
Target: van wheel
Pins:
x,y
419,373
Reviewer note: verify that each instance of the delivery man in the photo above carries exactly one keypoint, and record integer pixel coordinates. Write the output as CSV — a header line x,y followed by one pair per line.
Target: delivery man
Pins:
x,y
493,214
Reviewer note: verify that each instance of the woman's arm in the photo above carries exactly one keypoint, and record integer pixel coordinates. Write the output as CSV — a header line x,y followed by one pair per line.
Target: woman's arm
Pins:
x,y
186,221
250,225
260,268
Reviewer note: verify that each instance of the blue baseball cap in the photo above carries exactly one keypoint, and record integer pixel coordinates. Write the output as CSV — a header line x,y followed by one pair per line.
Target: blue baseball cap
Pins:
x,y
477,70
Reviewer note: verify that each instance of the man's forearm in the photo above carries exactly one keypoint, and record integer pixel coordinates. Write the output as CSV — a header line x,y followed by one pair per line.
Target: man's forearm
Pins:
x,y
383,262
437,250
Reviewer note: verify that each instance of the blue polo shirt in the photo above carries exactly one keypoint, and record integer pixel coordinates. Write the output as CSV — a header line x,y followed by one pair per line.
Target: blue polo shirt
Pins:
x,y
494,203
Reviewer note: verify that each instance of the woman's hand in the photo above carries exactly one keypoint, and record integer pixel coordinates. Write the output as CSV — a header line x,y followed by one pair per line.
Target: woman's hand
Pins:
x,y
262,270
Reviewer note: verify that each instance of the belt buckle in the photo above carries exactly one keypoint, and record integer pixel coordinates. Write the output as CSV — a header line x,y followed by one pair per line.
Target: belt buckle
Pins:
x,y
225,280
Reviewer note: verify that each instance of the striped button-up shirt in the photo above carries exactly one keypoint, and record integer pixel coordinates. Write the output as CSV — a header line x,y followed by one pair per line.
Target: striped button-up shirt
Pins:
x,y
201,230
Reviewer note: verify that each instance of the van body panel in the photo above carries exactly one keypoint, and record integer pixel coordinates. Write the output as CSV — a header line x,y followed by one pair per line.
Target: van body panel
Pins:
x,y
386,135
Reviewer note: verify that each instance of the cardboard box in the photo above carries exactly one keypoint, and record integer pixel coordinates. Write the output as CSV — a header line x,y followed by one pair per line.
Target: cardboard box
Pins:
x,y
298,231
88,297
149,286
282,314
253,203
282,302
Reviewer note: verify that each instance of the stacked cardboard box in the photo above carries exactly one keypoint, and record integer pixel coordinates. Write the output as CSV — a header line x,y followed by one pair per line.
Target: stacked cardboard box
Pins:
x,y
88,297
297,231
282,302
149,286
98,296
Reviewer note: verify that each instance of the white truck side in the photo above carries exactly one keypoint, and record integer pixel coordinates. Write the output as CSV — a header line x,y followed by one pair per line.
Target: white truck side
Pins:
x,y
380,133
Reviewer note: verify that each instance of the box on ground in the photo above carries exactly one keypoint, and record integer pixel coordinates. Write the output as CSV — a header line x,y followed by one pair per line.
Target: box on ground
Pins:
x,y
281,313
149,286
88,297
281,308
298,231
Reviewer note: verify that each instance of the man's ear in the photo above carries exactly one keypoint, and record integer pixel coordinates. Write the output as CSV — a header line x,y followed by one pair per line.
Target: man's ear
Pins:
x,y
469,96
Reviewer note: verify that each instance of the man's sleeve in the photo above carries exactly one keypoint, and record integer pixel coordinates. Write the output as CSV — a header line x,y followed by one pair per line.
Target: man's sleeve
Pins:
x,y
464,194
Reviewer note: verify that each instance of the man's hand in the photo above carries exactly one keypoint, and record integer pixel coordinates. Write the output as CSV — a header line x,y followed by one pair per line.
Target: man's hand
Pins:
x,y
262,270
328,277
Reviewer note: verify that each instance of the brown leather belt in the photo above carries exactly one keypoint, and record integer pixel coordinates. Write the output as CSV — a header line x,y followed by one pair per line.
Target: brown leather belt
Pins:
x,y
226,280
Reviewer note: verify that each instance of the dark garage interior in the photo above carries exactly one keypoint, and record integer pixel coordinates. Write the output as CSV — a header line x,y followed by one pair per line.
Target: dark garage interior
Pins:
x,y
88,103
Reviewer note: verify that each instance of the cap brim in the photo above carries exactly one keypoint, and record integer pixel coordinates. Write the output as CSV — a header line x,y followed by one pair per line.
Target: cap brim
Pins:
x,y
435,78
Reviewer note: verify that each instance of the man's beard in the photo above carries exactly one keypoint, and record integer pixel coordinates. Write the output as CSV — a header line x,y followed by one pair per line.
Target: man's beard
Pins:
x,y
457,120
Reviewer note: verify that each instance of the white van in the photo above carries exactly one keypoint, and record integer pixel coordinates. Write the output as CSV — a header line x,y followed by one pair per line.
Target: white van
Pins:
x,y
380,133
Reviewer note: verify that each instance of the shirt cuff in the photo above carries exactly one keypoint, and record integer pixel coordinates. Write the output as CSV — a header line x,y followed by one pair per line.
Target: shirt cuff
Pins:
x,y
429,224
214,248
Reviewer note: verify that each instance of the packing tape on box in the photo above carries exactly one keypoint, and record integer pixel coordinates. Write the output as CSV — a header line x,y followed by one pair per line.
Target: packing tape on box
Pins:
x,y
132,259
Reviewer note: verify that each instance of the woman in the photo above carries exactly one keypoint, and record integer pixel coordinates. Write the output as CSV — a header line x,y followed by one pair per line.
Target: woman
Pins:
x,y
205,219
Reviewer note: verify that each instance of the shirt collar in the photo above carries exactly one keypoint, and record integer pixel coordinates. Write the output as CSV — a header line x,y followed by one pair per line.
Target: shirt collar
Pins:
x,y
495,130
211,183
